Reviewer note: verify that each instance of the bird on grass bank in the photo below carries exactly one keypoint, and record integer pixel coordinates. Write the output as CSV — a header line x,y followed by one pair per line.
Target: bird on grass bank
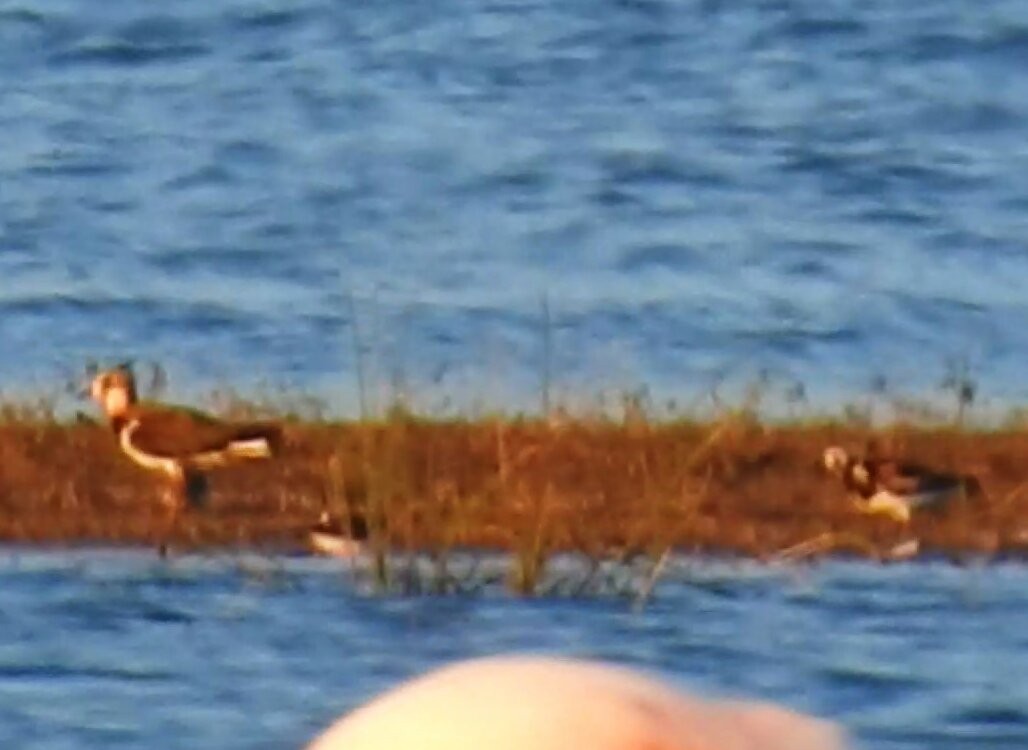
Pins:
x,y
179,443
546,703
882,486
333,538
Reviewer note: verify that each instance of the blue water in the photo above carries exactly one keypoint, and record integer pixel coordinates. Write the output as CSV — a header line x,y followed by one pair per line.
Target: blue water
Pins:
x,y
103,649
265,194
459,202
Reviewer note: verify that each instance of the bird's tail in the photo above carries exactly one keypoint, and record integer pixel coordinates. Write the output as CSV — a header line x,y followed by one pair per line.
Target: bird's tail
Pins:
x,y
255,440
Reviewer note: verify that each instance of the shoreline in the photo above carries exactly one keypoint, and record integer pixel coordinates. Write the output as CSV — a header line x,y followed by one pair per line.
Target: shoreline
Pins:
x,y
603,488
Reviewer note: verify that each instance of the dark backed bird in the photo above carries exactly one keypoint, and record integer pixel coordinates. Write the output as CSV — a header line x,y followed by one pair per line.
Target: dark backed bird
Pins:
x,y
331,537
883,486
177,442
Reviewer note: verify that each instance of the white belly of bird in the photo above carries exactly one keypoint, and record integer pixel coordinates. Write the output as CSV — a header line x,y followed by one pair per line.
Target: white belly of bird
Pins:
x,y
899,507
885,503
335,545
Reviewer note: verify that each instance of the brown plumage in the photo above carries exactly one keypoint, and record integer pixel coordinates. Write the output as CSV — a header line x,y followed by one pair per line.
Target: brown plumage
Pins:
x,y
193,437
177,442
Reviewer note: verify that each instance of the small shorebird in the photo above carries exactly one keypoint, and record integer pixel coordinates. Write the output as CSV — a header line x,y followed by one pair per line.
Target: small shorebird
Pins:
x,y
177,442
333,538
886,487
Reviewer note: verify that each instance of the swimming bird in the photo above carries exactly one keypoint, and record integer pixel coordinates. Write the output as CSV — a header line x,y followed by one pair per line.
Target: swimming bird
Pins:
x,y
882,486
177,442
546,703
331,537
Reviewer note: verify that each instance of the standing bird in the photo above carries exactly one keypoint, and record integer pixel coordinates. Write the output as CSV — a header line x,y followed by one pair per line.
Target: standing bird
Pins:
x,y
882,486
545,703
177,442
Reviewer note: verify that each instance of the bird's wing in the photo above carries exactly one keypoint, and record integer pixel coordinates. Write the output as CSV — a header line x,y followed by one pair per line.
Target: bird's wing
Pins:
x,y
902,479
173,432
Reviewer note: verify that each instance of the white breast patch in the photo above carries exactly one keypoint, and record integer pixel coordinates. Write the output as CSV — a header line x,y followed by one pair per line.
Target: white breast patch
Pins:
x,y
163,464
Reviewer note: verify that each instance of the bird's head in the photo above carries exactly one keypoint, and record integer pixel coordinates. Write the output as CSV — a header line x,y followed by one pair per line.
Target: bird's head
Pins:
x,y
835,459
114,390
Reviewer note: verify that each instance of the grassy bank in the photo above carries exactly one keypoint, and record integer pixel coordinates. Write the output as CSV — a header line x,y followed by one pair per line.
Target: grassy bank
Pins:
x,y
602,487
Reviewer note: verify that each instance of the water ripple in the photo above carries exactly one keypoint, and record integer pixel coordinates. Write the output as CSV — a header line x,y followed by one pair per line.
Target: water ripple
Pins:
x,y
203,647
815,190
148,40
62,673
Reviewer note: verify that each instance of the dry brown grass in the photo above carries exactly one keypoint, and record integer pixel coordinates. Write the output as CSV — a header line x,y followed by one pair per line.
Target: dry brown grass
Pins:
x,y
605,488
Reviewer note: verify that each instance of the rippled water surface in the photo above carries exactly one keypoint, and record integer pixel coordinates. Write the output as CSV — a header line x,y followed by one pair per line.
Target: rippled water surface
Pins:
x,y
102,649
257,192
273,192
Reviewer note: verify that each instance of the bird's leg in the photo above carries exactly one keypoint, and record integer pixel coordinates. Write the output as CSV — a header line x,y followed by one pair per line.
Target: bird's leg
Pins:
x,y
172,500
194,487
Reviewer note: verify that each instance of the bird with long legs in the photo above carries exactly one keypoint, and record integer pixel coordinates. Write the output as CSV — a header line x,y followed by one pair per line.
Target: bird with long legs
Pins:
x,y
176,442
